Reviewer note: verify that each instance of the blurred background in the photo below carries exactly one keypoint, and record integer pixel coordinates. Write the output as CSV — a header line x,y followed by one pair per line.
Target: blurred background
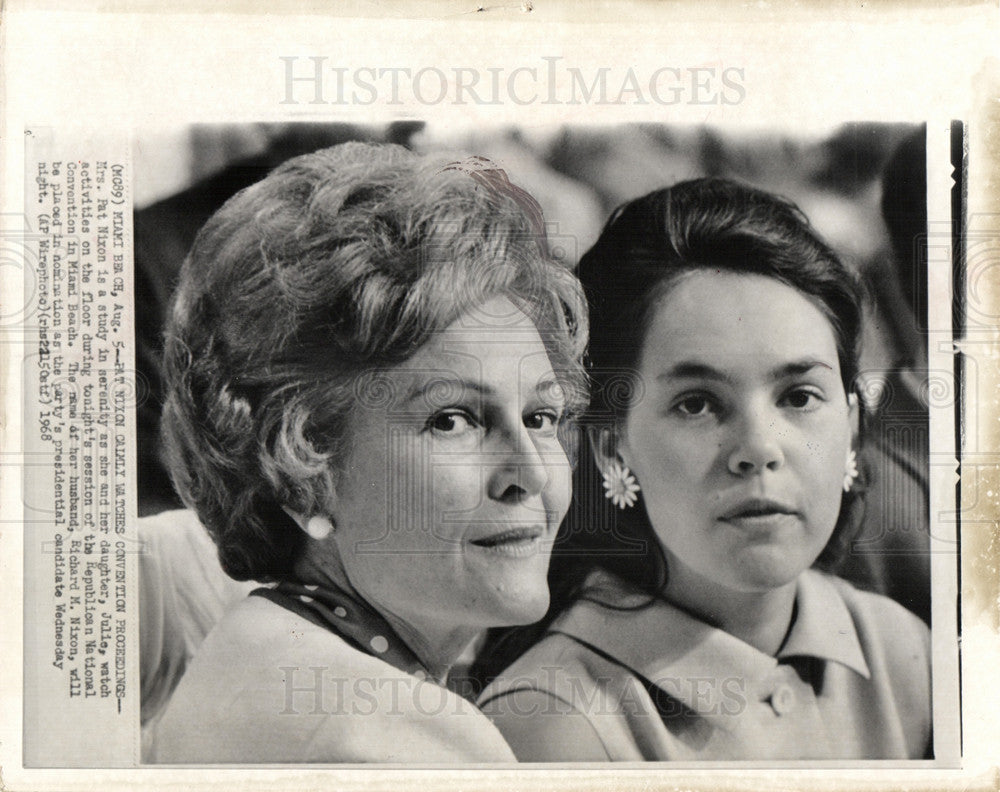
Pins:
x,y
863,186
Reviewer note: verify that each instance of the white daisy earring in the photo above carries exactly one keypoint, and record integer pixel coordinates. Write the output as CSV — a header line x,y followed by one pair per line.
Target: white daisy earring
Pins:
x,y
620,486
850,470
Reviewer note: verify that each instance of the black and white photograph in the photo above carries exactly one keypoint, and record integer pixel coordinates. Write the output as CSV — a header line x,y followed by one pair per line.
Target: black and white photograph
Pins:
x,y
618,434
529,396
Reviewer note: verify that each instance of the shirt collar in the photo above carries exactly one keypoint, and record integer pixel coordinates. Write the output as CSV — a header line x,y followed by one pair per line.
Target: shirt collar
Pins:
x,y
824,627
674,650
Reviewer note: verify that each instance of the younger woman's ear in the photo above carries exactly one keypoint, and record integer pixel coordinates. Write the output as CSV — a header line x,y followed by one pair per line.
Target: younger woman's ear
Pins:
x,y
604,445
854,417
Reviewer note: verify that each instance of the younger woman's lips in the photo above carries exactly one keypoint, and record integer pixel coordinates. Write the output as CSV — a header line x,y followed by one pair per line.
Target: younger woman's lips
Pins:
x,y
757,507
765,521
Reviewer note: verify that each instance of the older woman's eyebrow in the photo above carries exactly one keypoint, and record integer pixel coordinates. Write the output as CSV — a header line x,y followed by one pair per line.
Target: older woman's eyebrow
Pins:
x,y
550,387
543,388
448,384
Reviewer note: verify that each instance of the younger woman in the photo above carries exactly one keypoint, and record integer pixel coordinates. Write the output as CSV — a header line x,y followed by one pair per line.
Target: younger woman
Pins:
x,y
690,617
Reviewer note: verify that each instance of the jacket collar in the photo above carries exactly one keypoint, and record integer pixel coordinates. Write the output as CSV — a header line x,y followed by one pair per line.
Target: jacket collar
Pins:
x,y
693,661
824,627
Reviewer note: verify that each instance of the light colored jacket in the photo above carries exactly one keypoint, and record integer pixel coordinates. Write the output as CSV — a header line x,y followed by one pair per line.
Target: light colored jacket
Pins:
x,y
852,681
269,686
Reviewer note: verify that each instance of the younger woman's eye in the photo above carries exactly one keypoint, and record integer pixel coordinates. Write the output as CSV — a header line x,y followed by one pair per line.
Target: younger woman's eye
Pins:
x,y
802,398
451,422
696,405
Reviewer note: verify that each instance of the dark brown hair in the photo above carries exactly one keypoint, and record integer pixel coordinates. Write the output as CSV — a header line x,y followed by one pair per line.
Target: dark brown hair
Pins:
x,y
647,244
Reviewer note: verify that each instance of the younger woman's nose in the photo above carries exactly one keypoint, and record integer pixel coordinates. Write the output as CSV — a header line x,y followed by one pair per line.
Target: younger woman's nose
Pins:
x,y
756,443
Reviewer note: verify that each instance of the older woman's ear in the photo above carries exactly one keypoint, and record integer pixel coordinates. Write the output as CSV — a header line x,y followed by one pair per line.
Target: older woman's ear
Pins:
x,y
318,526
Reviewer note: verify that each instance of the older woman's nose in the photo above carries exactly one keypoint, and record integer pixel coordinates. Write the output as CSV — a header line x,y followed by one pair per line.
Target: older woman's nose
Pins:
x,y
522,470
756,444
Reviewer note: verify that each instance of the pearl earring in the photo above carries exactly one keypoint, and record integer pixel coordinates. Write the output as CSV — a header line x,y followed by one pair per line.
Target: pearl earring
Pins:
x,y
319,526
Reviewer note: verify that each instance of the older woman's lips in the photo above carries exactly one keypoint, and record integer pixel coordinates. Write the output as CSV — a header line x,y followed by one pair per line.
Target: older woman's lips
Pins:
x,y
515,542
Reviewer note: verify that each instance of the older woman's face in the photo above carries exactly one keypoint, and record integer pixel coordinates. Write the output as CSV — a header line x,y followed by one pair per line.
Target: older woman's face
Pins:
x,y
456,480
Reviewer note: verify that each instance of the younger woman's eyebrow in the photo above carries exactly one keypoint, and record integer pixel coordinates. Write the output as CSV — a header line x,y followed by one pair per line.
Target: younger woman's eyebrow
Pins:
x,y
690,369
798,367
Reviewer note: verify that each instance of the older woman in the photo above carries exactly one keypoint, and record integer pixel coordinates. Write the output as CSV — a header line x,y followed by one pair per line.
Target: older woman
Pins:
x,y
370,357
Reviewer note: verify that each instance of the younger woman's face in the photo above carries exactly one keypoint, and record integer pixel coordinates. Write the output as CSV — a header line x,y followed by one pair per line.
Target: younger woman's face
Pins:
x,y
740,435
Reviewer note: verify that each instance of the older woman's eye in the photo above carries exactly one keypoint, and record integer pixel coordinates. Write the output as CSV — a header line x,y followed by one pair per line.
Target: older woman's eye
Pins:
x,y
543,421
452,422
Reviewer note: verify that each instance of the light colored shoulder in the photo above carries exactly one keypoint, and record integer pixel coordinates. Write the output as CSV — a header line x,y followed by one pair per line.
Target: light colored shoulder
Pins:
x,y
896,645
270,686
883,620
557,664
543,703
541,727
397,718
